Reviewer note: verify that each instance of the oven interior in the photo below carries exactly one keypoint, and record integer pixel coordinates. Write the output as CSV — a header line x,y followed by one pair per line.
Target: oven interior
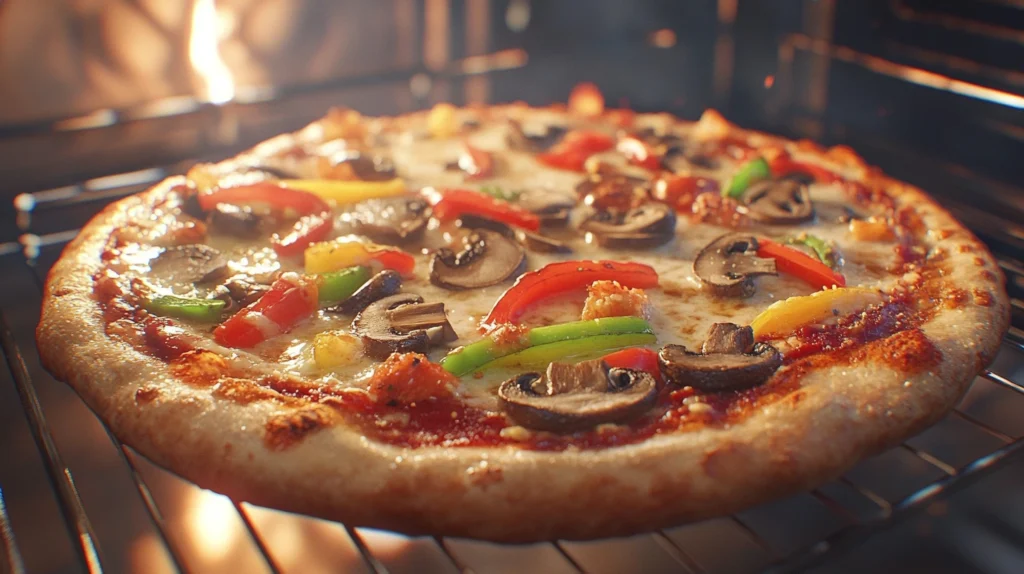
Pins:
x,y
931,92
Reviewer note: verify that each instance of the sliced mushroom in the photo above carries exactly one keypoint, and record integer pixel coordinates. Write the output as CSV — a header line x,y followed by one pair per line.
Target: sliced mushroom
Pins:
x,y
572,397
239,291
729,361
364,167
488,258
402,323
236,221
646,226
614,192
393,220
196,263
778,201
519,138
552,207
727,266
532,241
383,284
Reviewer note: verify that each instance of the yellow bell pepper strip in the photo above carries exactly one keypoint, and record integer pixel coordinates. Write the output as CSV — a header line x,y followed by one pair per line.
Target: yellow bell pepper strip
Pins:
x,y
749,173
784,317
474,356
340,253
336,349
336,286
346,191
799,264
186,308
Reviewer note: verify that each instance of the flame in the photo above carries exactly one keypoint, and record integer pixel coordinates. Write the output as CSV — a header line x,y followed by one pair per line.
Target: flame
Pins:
x,y
586,100
204,53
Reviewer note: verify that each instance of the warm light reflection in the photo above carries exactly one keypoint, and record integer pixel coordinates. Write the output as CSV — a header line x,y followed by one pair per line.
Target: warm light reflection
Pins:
x,y
586,100
211,523
663,38
204,54
385,543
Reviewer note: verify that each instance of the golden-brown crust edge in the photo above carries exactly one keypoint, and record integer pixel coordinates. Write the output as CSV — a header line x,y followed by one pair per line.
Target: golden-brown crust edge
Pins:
x,y
505,494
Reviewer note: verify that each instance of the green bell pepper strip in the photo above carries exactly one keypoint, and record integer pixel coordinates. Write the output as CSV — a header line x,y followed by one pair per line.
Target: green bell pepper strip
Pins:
x,y
337,286
498,192
475,355
596,346
749,173
820,247
186,308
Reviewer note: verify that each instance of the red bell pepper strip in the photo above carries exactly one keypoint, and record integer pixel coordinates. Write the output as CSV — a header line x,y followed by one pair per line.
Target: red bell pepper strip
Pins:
x,y
639,153
799,264
636,358
308,230
572,152
290,299
783,165
450,204
563,277
477,163
315,226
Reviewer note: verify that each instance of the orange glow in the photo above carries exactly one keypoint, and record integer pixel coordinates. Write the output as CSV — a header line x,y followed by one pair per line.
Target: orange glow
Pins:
x,y
211,524
663,38
769,81
586,100
204,53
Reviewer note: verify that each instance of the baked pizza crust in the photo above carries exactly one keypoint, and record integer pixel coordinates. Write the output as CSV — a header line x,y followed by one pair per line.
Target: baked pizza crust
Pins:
x,y
838,415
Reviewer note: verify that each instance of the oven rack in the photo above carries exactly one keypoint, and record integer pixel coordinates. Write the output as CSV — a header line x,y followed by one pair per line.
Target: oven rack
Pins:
x,y
26,263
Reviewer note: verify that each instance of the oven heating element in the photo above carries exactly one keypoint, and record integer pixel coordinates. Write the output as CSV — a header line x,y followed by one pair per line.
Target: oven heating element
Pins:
x,y
180,527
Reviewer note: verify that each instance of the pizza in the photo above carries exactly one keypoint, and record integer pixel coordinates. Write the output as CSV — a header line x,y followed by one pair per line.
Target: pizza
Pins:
x,y
516,323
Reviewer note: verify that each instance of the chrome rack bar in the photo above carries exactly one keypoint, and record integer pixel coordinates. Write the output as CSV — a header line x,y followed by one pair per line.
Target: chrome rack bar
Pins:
x,y
10,557
676,552
371,561
256,538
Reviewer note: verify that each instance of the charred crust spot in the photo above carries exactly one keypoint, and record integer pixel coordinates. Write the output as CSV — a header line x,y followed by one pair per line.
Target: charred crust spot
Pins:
x,y
146,395
965,248
285,430
982,297
979,261
955,298
200,368
987,275
243,391
908,352
796,398
944,233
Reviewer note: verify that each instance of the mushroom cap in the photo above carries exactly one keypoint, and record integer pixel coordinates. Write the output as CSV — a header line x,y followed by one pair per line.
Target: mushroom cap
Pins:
x,y
536,141
488,259
718,372
577,397
530,240
386,283
649,225
391,220
728,264
778,201
193,263
400,324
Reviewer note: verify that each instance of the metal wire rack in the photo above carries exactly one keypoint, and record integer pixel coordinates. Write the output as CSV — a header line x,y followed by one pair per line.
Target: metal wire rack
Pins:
x,y
175,526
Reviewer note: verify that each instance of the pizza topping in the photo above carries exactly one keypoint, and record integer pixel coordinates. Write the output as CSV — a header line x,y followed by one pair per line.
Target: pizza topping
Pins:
x,y
336,286
441,122
871,230
573,397
749,173
336,349
407,378
729,360
383,284
402,323
239,291
784,166
487,258
643,227
778,201
346,191
729,264
477,163
391,221
637,359
586,100
450,204
352,164
579,337
572,152
821,249
186,308
614,191
340,253
552,207
801,265
610,299
195,263
237,221
639,153
565,277
532,241
290,299
535,141
784,317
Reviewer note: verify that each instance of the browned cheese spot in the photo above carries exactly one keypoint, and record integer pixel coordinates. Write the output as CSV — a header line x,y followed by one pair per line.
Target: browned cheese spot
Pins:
x,y
979,261
987,275
908,352
982,297
147,394
285,430
955,298
965,248
200,368
243,391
